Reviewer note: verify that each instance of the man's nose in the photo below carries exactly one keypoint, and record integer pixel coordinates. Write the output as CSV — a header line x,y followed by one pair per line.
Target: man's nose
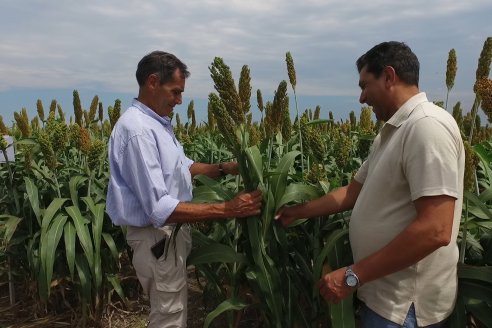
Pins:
x,y
179,100
362,98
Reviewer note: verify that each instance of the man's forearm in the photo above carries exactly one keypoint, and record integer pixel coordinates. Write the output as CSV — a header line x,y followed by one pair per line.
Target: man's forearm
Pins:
x,y
191,212
339,200
210,170
245,204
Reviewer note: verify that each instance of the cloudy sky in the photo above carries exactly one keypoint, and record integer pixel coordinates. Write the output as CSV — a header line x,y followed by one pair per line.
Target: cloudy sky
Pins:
x,y
49,48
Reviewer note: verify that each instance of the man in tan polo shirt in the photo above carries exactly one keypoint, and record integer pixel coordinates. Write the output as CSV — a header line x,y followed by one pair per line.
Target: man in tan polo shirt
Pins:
x,y
405,199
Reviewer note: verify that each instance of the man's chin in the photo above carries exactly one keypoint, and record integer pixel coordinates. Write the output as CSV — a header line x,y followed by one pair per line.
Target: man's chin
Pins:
x,y
168,111
377,113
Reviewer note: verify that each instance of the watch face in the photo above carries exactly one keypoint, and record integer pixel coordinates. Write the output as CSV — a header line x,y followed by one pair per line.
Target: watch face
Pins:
x,y
351,281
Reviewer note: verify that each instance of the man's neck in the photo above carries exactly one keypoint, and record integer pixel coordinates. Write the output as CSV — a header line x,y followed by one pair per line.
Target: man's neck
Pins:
x,y
145,100
402,94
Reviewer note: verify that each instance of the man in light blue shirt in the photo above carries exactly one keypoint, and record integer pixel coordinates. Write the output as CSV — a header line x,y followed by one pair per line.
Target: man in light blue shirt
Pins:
x,y
150,188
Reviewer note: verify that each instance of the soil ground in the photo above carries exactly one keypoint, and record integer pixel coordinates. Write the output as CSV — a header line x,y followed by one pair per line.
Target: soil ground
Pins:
x,y
23,313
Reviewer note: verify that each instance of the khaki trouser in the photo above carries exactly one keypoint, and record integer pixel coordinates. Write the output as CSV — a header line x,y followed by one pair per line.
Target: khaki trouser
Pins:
x,y
163,279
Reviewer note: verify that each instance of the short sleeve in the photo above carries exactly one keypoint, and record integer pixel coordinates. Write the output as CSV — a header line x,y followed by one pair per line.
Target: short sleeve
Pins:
x,y
361,174
431,159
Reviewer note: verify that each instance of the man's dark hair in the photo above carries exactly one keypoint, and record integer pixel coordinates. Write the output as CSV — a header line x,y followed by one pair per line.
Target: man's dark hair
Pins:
x,y
395,54
161,63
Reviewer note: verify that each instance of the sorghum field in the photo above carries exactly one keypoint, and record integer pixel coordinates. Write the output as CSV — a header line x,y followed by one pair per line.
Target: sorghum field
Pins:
x,y
63,263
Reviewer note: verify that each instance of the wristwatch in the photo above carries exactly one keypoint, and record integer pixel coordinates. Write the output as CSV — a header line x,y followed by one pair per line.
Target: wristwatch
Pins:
x,y
351,279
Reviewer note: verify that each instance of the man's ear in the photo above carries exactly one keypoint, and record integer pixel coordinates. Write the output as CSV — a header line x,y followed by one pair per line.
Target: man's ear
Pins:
x,y
152,81
390,76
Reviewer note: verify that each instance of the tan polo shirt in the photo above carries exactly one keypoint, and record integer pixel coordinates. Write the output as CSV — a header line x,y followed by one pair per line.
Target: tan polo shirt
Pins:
x,y
418,152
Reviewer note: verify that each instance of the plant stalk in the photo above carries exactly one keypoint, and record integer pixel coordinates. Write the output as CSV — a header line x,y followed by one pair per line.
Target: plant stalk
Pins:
x,y
463,238
11,283
11,180
300,132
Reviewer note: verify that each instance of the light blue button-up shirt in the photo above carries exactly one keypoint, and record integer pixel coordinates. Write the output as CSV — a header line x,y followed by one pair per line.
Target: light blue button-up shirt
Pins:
x,y
150,174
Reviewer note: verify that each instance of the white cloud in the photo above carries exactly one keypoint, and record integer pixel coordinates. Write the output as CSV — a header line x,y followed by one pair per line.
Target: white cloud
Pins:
x,y
69,44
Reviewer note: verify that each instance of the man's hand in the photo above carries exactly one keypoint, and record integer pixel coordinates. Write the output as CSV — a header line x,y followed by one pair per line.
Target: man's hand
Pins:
x,y
245,204
332,286
286,215
336,201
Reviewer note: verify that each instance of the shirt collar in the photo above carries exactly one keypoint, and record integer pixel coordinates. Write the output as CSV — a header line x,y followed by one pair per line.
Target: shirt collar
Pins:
x,y
406,109
165,120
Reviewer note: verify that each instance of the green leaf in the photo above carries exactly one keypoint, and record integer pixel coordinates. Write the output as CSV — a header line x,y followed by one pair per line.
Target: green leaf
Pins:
x,y
327,249
267,213
43,173
83,233
75,183
304,268
215,186
255,162
97,272
203,194
69,237
214,252
212,278
111,245
48,214
480,273
279,180
43,287
477,212
485,224
115,282
262,272
342,314
199,239
477,202
298,192
474,290
10,227
84,274
232,304
97,212
33,252
32,195
52,239
486,195
90,203
482,312
325,185
485,156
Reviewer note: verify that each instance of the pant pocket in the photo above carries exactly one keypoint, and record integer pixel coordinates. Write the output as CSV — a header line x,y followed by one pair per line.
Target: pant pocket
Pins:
x,y
167,305
170,269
